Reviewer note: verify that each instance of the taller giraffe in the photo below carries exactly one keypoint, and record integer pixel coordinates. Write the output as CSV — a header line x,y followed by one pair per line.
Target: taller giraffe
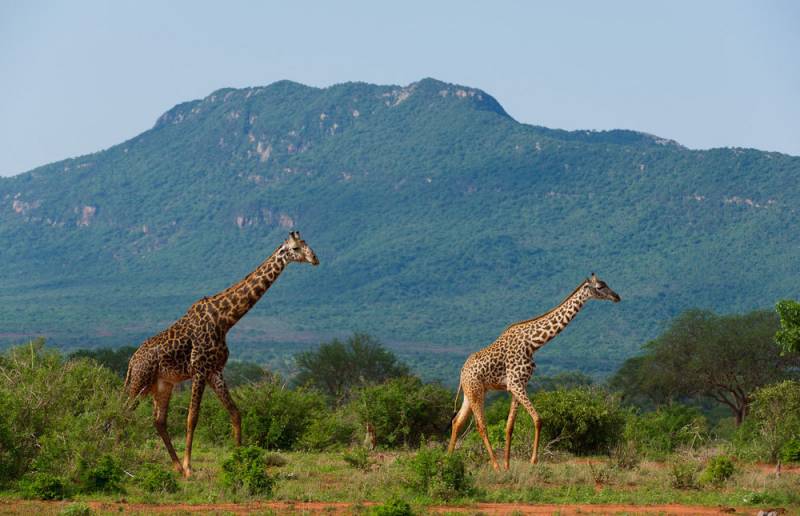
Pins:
x,y
507,365
194,347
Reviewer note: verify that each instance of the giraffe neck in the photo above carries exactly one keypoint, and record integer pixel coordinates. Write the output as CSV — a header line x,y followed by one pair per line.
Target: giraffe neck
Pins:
x,y
235,301
539,331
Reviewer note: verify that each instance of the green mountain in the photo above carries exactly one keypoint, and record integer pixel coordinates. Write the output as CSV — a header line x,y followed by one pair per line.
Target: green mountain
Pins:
x,y
438,219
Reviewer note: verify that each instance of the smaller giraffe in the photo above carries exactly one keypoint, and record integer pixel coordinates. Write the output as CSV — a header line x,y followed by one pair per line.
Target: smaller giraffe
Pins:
x,y
194,347
507,365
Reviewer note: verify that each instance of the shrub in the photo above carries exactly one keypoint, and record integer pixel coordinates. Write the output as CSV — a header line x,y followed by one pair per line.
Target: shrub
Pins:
x,y
434,473
277,417
394,507
57,413
404,410
625,455
683,472
274,460
155,479
718,470
327,432
358,458
76,509
775,416
105,476
791,450
664,430
583,420
246,471
43,486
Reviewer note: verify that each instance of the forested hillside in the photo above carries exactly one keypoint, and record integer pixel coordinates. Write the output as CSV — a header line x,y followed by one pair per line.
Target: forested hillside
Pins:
x,y
438,220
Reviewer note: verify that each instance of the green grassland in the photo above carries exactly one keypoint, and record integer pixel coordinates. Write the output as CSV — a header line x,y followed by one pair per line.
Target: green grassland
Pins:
x,y
326,477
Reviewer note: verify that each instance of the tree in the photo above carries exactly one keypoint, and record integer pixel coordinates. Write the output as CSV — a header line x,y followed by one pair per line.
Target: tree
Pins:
x,y
724,358
336,367
788,337
776,409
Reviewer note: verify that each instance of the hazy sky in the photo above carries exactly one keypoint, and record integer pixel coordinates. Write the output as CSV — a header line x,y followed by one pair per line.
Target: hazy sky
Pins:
x,y
77,77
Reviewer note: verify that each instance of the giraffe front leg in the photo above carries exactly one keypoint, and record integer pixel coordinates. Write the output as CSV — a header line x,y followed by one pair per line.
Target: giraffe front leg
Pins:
x,y
512,415
161,395
521,396
198,385
221,389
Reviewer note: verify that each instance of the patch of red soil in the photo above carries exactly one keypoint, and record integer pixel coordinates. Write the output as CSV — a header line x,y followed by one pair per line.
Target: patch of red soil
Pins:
x,y
785,468
27,507
511,508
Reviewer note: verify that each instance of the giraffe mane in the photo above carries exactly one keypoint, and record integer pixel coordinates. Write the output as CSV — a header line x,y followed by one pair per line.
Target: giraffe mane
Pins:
x,y
526,321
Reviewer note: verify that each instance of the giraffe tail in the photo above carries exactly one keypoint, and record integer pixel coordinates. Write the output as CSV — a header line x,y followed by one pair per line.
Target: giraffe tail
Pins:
x,y
455,409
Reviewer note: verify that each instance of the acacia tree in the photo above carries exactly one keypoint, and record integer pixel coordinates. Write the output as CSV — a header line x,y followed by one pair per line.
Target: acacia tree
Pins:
x,y
724,358
788,337
337,367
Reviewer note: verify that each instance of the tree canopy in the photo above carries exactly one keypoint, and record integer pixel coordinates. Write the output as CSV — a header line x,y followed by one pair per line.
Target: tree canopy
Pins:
x,y
722,357
788,337
336,367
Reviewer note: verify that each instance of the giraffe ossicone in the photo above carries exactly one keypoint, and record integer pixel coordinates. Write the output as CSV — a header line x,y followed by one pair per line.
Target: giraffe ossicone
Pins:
x,y
194,347
507,365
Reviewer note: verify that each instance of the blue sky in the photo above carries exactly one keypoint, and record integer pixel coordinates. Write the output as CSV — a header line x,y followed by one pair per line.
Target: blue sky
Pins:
x,y
77,77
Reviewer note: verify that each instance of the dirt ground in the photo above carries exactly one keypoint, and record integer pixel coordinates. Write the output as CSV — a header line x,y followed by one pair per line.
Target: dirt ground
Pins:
x,y
46,508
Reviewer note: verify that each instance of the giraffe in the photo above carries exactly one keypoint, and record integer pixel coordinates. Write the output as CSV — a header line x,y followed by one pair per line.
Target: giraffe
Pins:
x,y
507,365
194,347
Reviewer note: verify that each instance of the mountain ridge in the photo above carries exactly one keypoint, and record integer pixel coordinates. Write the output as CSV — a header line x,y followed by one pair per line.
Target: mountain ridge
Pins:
x,y
438,219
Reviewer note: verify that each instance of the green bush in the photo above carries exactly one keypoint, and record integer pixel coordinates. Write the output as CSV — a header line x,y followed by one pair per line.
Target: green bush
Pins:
x,y
717,471
683,472
626,455
791,450
76,509
581,420
59,413
153,478
404,410
394,507
330,431
774,420
274,460
276,417
433,472
664,430
245,471
43,486
586,420
105,476
358,458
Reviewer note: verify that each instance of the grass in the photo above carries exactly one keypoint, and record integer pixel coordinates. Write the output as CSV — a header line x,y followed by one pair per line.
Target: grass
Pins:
x,y
326,477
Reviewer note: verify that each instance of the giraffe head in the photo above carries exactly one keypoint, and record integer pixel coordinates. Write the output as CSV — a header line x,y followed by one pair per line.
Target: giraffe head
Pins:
x,y
297,250
598,289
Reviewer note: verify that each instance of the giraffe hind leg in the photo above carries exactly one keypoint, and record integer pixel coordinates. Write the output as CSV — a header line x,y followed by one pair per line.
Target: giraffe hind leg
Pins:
x,y
476,397
198,385
512,415
458,421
